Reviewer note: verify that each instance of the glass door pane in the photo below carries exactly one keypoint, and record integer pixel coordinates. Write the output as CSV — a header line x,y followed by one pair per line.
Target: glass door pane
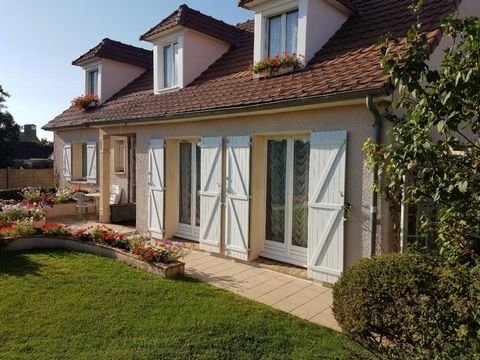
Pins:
x,y
198,181
276,182
301,158
185,183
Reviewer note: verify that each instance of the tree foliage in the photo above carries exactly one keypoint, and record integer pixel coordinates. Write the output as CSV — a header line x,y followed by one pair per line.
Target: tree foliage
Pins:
x,y
9,131
436,140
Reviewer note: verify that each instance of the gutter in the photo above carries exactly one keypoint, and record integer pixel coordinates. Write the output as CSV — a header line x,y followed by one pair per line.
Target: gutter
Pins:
x,y
306,101
377,140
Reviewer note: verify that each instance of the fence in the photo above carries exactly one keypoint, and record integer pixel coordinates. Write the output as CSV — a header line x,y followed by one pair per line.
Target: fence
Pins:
x,y
19,178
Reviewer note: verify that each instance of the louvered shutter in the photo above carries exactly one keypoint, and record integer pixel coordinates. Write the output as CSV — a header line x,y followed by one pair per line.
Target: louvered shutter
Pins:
x,y
237,197
326,202
92,162
67,162
210,194
156,191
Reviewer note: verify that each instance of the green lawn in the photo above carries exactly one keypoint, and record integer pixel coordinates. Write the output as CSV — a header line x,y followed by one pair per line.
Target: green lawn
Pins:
x,y
63,305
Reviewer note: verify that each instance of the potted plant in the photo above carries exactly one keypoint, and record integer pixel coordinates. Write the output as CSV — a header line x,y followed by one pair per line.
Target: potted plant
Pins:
x,y
85,102
278,65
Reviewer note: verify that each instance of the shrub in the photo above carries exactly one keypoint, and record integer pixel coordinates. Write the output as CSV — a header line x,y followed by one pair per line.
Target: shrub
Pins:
x,y
165,252
410,306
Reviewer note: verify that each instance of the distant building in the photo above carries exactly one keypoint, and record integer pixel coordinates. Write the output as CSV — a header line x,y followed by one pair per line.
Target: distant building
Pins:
x,y
29,133
28,152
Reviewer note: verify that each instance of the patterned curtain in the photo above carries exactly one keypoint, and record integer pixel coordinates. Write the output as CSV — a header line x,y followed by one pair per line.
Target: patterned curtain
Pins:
x,y
276,180
199,184
300,193
185,183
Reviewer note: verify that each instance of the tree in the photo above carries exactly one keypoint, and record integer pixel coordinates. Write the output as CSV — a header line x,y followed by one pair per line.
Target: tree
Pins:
x,y
436,143
9,131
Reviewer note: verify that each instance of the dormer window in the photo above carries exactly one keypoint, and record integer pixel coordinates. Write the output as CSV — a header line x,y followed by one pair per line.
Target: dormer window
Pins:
x,y
283,33
92,82
170,65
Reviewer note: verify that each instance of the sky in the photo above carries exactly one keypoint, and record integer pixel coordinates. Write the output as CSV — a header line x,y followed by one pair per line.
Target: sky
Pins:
x,y
39,40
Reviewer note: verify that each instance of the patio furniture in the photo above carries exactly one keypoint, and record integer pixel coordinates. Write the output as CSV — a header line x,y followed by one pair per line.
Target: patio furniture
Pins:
x,y
82,204
115,194
96,199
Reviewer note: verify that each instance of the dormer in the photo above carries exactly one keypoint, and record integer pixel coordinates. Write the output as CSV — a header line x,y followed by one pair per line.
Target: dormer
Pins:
x,y
298,27
185,44
110,66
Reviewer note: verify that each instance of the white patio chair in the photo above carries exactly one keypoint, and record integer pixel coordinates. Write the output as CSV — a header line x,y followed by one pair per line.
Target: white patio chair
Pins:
x,y
82,204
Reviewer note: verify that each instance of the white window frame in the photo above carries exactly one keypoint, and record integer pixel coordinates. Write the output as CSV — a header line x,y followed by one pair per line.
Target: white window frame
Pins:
x,y
283,40
159,63
88,70
118,168
285,251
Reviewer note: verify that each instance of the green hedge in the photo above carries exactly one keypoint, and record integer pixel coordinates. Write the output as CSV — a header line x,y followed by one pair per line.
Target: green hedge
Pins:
x,y
16,194
410,306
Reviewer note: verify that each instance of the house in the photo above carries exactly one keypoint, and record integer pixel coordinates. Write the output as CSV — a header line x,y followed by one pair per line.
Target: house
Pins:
x,y
248,167
29,152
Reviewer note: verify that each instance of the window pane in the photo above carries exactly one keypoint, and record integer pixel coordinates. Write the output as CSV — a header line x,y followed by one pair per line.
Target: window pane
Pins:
x,y
84,160
168,66
276,180
175,64
275,36
199,170
185,183
301,165
93,82
292,32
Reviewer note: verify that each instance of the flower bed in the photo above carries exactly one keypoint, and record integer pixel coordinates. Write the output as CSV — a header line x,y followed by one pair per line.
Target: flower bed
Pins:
x,y
162,257
85,102
278,65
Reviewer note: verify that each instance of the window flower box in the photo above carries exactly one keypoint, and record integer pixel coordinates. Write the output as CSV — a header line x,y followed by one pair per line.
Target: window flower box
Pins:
x,y
85,102
279,65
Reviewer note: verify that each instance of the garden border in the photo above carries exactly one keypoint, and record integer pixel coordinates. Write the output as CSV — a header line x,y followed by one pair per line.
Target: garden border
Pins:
x,y
167,271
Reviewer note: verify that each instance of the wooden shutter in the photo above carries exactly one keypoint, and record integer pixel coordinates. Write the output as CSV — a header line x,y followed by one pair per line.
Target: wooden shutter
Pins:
x,y
325,208
210,194
92,162
156,191
237,197
67,162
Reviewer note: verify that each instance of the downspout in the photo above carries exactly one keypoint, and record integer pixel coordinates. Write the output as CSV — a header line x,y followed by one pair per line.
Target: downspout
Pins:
x,y
377,139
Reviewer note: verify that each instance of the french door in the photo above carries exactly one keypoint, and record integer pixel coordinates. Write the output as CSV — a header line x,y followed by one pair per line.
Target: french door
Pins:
x,y
286,202
189,191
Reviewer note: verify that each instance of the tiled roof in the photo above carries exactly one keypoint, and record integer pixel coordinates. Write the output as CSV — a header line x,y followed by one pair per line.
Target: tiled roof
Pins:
x,y
347,3
195,20
117,51
348,63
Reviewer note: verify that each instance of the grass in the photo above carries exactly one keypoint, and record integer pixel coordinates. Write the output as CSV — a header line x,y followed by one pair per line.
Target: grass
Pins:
x,y
64,305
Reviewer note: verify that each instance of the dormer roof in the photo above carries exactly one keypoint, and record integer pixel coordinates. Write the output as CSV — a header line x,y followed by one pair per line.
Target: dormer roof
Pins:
x,y
117,51
347,3
195,20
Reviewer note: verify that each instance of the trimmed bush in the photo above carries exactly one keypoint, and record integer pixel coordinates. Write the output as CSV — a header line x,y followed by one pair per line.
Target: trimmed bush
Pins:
x,y
410,306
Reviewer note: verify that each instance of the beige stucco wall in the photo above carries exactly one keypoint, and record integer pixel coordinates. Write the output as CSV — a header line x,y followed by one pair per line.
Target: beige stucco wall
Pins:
x,y
62,137
355,119
115,76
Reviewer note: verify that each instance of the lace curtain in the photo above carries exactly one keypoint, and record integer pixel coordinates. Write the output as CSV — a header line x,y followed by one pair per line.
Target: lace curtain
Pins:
x,y
276,180
185,183
300,193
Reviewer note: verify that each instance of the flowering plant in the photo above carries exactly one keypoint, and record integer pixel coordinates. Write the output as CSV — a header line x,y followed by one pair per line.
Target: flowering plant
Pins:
x,y
63,196
32,194
20,212
84,102
272,65
19,229
165,252
104,235
56,230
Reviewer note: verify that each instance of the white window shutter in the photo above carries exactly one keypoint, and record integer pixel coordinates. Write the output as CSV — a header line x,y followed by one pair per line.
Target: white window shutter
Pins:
x,y
237,197
210,194
326,205
92,162
156,191
67,162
